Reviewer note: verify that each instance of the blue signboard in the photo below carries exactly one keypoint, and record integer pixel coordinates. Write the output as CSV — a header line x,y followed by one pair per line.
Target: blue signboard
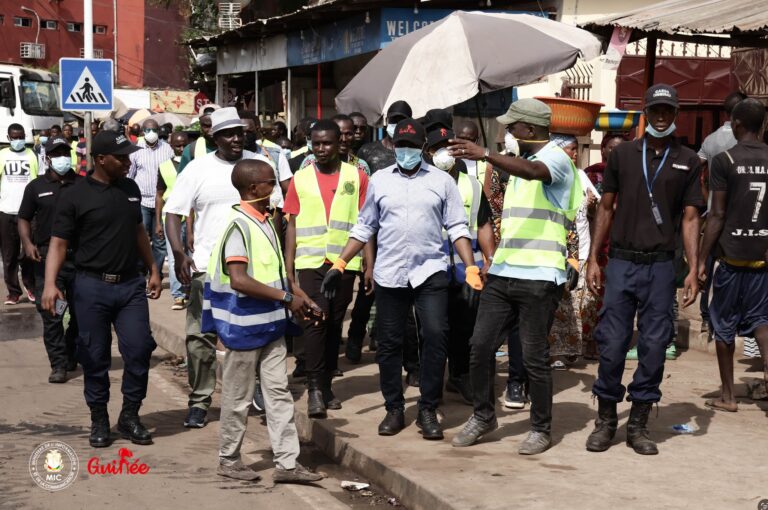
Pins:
x,y
85,84
361,33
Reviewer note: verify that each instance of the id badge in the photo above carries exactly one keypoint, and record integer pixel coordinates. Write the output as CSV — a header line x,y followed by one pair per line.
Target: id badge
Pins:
x,y
656,214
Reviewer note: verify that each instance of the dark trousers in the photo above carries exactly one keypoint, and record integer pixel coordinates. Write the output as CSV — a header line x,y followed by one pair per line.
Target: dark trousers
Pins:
x,y
516,371
59,344
531,305
461,324
413,342
10,249
704,297
158,245
361,313
321,341
393,306
99,305
649,291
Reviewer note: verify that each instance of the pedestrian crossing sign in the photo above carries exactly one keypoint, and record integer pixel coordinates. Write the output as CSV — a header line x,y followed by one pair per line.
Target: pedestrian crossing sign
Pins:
x,y
85,83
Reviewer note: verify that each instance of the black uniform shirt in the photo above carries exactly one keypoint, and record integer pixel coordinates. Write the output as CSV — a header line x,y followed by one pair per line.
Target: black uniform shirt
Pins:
x,y
100,220
744,177
39,203
377,156
677,186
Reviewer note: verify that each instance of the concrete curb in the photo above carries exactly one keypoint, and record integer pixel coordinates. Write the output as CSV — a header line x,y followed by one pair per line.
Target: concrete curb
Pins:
x,y
411,494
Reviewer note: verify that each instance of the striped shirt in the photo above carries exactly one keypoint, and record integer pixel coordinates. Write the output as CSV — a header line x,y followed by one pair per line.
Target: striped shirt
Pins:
x,y
144,167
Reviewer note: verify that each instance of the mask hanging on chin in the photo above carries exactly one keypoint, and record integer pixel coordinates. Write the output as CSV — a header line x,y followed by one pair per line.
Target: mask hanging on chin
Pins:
x,y
407,157
660,134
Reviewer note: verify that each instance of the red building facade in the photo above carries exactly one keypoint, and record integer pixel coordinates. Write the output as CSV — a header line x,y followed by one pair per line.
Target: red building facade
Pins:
x,y
146,41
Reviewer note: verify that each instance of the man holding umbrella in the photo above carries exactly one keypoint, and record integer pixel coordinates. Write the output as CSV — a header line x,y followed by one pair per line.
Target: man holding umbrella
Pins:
x,y
526,279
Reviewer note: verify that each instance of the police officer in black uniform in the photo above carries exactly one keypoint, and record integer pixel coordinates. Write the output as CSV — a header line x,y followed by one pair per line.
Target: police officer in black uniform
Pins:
x,y
651,191
38,206
101,217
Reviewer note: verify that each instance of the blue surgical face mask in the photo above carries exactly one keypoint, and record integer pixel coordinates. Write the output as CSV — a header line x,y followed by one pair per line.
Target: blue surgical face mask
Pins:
x,y
660,134
17,145
61,164
43,139
391,130
407,157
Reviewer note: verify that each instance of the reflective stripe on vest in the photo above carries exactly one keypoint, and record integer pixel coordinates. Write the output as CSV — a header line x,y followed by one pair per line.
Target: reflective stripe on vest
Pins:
x,y
240,321
533,229
168,173
73,154
482,168
200,148
470,191
301,150
316,238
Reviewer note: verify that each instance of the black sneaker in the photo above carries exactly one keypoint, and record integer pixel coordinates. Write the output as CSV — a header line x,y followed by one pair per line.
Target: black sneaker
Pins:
x,y
515,397
299,372
258,398
195,418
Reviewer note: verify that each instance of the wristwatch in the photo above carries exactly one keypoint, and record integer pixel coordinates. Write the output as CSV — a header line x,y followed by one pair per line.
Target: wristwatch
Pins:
x,y
486,153
288,298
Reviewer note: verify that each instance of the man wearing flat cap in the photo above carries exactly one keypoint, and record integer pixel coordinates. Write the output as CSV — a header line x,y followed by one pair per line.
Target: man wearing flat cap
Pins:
x,y
527,274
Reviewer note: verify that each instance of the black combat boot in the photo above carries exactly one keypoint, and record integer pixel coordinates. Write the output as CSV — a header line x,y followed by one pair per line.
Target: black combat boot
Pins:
x,y
329,399
315,404
637,431
99,437
129,425
605,427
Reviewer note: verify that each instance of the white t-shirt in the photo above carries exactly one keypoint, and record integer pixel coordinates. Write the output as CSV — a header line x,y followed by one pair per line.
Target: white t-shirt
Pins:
x,y
283,174
582,222
16,174
205,186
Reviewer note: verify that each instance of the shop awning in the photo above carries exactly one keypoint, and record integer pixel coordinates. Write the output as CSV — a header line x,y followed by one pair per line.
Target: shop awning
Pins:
x,y
718,22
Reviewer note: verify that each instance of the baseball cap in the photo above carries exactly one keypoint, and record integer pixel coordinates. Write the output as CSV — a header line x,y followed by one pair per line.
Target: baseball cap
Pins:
x,y
55,142
398,110
110,142
528,110
225,118
439,135
209,107
661,94
437,118
408,130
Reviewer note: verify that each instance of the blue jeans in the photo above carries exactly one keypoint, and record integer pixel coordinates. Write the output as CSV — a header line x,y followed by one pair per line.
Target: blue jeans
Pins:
x,y
177,290
158,245
393,305
649,291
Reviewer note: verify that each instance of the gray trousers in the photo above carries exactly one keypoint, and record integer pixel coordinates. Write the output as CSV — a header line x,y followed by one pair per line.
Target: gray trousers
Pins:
x,y
201,349
237,385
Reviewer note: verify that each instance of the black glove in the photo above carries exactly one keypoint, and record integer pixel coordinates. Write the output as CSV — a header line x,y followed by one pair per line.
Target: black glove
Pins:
x,y
470,296
330,283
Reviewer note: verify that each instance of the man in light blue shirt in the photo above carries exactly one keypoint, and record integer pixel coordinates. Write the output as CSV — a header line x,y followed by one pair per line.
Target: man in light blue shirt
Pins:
x,y
525,281
407,206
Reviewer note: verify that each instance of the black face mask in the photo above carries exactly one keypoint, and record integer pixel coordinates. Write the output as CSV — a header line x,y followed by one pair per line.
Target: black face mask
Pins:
x,y
250,141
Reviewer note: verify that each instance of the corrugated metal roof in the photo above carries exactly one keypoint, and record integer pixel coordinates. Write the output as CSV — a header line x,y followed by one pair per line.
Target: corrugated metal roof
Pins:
x,y
694,16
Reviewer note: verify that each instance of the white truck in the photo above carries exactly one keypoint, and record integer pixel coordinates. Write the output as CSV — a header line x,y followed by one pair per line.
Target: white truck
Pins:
x,y
29,97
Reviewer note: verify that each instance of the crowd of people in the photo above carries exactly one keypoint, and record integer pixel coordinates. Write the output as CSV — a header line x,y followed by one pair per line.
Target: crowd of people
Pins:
x,y
457,248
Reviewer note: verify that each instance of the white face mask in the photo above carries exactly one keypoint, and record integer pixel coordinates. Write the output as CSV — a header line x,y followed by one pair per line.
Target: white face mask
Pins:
x,y
61,164
391,130
443,160
660,134
150,136
17,145
511,144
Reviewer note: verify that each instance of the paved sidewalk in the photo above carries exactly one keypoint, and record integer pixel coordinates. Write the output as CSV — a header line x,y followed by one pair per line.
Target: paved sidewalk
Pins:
x,y
721,465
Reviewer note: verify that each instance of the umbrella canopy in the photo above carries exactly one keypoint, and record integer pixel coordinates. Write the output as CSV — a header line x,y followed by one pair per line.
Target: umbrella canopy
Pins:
x,y
452,60
176,120
118,110
139,116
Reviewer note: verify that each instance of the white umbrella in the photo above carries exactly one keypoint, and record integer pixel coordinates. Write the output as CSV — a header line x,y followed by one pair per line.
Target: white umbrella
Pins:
x,y
173,118
452,60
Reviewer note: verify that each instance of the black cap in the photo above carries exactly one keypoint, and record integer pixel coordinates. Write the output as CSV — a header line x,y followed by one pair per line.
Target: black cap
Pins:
x,y
438,118
54,143
438,135
110,142
408,130
398,110
661,94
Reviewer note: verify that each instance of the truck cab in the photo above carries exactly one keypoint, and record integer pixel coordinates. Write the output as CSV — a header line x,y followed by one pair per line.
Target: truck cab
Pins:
x,y
29,97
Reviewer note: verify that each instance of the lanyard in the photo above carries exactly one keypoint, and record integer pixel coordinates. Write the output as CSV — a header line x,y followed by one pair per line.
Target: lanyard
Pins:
x,y
649,185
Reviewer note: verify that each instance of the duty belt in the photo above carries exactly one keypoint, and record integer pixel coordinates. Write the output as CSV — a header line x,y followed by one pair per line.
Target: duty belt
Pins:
x,y
641,257
111,277
744,264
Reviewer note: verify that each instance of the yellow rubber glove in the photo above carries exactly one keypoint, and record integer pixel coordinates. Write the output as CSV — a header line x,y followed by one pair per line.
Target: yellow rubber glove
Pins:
x,y
473,278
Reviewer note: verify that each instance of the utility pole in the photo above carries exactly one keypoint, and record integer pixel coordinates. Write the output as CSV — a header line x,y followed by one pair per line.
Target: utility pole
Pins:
x,y
88,53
